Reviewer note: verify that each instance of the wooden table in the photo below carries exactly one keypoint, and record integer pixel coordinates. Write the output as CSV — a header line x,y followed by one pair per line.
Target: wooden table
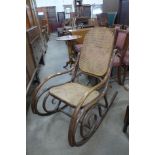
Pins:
x,y
70,41
81,32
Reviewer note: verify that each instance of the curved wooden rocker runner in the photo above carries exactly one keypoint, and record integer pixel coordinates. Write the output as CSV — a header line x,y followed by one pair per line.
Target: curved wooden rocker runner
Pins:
x,y
94,60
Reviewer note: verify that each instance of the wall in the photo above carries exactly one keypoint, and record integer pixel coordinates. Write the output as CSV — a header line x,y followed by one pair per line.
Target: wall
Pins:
x,y
59,3
110,5
93,2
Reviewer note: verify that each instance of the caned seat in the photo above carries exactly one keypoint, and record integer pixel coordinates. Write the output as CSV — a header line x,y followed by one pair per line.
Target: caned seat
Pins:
x,y
71,93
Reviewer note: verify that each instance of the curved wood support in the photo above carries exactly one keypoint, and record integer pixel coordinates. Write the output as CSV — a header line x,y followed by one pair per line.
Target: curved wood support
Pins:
x,y
56,109
88,120
81,115
36,97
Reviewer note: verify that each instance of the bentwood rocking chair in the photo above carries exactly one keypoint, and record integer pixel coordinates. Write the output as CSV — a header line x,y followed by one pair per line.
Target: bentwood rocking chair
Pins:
x,y
95,59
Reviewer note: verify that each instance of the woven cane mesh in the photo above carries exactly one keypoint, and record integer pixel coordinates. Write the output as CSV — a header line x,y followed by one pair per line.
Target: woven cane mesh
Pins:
x,y
72,93
96,51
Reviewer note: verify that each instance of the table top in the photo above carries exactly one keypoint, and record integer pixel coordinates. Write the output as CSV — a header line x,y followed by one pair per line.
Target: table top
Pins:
x,y
68,37
80,30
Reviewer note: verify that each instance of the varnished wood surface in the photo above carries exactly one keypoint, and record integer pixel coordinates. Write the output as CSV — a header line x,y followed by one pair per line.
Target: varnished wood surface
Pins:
x,y
81,32
68,37
32,23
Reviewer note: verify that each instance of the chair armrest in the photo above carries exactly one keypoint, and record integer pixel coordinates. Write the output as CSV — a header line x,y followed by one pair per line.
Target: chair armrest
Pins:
x,y
117,52
50,77
35,96
96,87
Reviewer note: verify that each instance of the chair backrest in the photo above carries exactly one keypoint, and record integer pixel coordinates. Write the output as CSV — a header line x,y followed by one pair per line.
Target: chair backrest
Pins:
x,y
121,39
117,26
96,51
126,27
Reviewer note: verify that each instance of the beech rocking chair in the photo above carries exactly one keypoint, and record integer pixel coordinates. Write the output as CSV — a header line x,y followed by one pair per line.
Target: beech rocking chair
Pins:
x,y
95,59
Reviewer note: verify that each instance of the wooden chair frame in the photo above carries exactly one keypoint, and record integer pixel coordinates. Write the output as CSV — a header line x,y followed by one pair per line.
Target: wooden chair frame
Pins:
x,y
85,117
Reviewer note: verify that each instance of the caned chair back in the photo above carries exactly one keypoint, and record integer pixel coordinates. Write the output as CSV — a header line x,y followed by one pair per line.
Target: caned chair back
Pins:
x,y
96,51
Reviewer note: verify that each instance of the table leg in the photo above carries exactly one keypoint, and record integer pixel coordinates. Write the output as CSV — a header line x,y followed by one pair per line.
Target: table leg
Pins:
x,y
70,54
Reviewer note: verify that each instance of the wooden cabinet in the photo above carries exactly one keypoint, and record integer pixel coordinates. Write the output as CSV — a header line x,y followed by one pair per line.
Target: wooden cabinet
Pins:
x,y
61,17
51,14
35,45
50,17
83,10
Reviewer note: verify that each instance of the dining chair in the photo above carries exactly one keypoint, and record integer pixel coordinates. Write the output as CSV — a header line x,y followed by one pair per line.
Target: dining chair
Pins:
x,y
87,111
121,44
117,26
125,65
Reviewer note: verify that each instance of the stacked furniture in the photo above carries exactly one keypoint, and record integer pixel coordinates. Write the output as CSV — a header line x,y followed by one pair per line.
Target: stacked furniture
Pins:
x,y
35,44
50,17
83,10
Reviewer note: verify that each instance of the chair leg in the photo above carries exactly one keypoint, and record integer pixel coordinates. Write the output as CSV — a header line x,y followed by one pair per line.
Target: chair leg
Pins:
x,y
37,79
119,75
124,74
88,121
42,61
126,120
106,101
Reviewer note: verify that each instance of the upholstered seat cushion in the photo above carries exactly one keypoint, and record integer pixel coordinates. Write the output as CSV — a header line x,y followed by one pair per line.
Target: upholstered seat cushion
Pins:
x,y
72,93
78,47
116,61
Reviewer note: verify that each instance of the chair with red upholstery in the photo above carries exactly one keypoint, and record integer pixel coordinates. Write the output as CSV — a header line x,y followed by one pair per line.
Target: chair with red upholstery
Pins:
x,y
121,45
125,65
117,26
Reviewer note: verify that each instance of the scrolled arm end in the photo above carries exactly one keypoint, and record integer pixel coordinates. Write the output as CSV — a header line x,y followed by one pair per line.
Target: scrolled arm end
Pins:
x,y
50,77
